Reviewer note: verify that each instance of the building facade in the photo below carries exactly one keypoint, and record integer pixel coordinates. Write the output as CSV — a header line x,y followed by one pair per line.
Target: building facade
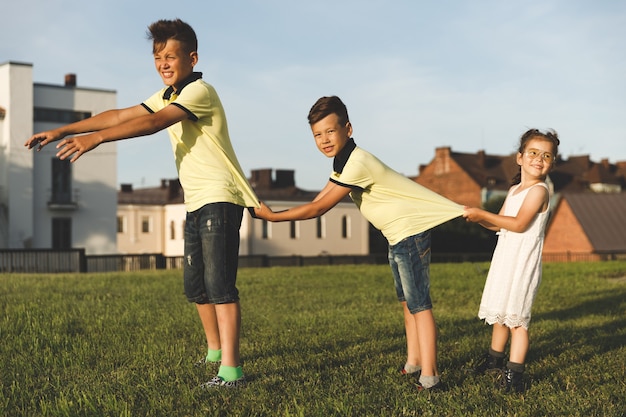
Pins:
x,y
152,220
46,203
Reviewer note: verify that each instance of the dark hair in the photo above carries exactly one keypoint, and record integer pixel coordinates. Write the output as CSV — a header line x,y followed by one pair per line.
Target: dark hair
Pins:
x,y
549,136
163,30
326,106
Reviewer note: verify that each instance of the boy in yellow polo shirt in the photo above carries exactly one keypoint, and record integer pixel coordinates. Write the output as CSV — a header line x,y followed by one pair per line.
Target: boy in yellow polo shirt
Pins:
x,y
215,188
400,208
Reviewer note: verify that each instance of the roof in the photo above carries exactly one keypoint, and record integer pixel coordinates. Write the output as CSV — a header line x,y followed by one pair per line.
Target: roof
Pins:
x,y
603,218
489,171
574,174
170,192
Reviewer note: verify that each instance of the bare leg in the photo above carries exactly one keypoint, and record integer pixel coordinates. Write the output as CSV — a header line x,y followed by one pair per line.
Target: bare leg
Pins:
x,y
209,323
229,324
413,356
519,344
427,336
499,337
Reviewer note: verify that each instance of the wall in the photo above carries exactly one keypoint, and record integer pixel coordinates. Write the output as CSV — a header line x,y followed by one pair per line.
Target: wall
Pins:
x,y
444,176
565,233
94,176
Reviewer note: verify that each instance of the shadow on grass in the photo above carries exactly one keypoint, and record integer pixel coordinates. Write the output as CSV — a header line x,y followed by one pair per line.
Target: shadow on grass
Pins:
x,y
560,338
573,335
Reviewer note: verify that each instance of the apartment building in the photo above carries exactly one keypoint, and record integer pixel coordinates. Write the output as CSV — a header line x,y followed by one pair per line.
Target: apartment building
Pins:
x,y
46,203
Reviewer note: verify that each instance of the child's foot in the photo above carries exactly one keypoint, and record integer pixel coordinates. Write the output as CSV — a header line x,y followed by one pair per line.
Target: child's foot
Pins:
x,y
489,363
438,387
202,362
218,382
512,381
413,373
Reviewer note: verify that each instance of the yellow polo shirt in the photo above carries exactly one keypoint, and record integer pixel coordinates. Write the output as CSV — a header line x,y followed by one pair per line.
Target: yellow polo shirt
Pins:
x,y
396,205
208,169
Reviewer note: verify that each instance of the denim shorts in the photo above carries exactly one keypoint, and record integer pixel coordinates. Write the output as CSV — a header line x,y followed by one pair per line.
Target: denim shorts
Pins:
x,y
212,253
410,264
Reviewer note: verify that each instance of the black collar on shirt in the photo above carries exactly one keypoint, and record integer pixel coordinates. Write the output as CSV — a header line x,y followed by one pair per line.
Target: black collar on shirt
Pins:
x,y
342,157
193,77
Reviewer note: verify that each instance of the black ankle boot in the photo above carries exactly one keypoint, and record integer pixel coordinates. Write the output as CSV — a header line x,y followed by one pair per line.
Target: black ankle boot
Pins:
x,y
489,363
512,381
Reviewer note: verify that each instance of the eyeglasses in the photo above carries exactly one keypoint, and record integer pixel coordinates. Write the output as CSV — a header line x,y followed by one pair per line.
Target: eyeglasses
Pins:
x,y
532,154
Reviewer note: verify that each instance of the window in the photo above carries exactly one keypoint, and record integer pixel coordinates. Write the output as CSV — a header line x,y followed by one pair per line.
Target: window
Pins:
x,y
265,232
172,230
321,227
293,229
61,233
44,114
145,224
345,227
61,181
121,224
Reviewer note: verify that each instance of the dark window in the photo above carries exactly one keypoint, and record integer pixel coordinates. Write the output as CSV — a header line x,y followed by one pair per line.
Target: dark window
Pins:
x,y
120,224
345,227
43,114
265,233
293,230
61,233
320,228
61,181
172,230
145,224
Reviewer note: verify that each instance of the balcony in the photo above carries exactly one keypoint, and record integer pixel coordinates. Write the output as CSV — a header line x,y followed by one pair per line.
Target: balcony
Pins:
x,y
63,201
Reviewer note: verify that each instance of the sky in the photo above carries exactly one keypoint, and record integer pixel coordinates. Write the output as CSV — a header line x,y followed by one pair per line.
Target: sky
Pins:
x,y
414,74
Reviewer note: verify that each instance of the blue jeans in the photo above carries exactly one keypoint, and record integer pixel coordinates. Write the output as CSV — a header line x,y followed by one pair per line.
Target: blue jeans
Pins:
x,y
410,264
212,253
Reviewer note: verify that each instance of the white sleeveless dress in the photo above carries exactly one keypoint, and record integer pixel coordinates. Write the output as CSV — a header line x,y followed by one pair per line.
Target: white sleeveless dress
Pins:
x,y
515,272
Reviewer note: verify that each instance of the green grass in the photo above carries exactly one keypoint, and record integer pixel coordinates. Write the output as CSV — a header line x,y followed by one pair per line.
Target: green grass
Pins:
x,y
316,341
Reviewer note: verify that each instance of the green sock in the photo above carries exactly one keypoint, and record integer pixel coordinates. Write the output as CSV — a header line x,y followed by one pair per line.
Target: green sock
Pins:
x,y
230,373
214,355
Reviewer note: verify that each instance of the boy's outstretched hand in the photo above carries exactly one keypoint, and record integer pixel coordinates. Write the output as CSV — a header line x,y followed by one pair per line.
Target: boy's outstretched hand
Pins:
x,y
77,146
42,139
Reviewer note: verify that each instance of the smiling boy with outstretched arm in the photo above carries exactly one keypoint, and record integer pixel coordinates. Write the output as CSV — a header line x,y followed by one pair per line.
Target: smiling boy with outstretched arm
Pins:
x,y
215,188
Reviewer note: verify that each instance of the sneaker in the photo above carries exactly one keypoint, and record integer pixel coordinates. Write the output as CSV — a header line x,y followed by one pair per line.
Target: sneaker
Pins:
x,y
438,387
489,363
512,381
218,382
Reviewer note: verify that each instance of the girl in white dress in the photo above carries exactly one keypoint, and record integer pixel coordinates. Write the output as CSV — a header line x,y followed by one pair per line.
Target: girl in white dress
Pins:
x,y
515,271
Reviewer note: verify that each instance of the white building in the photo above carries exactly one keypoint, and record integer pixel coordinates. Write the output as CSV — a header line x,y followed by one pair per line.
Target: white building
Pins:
x,y
46,202
151,220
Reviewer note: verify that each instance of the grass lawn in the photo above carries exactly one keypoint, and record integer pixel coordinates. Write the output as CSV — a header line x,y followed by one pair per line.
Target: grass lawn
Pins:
x,y
316,341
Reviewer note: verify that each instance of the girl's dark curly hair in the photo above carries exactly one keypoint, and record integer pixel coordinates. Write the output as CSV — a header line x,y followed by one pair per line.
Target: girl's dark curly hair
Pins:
x,y
549,136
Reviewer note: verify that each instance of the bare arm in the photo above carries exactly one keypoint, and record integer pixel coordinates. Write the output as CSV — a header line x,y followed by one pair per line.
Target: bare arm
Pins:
x,y
535,202
324,201
95,123
484,223
108,126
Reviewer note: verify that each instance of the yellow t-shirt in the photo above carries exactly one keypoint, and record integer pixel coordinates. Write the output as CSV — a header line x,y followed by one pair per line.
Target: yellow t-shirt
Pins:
x,y
208,169
393,203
